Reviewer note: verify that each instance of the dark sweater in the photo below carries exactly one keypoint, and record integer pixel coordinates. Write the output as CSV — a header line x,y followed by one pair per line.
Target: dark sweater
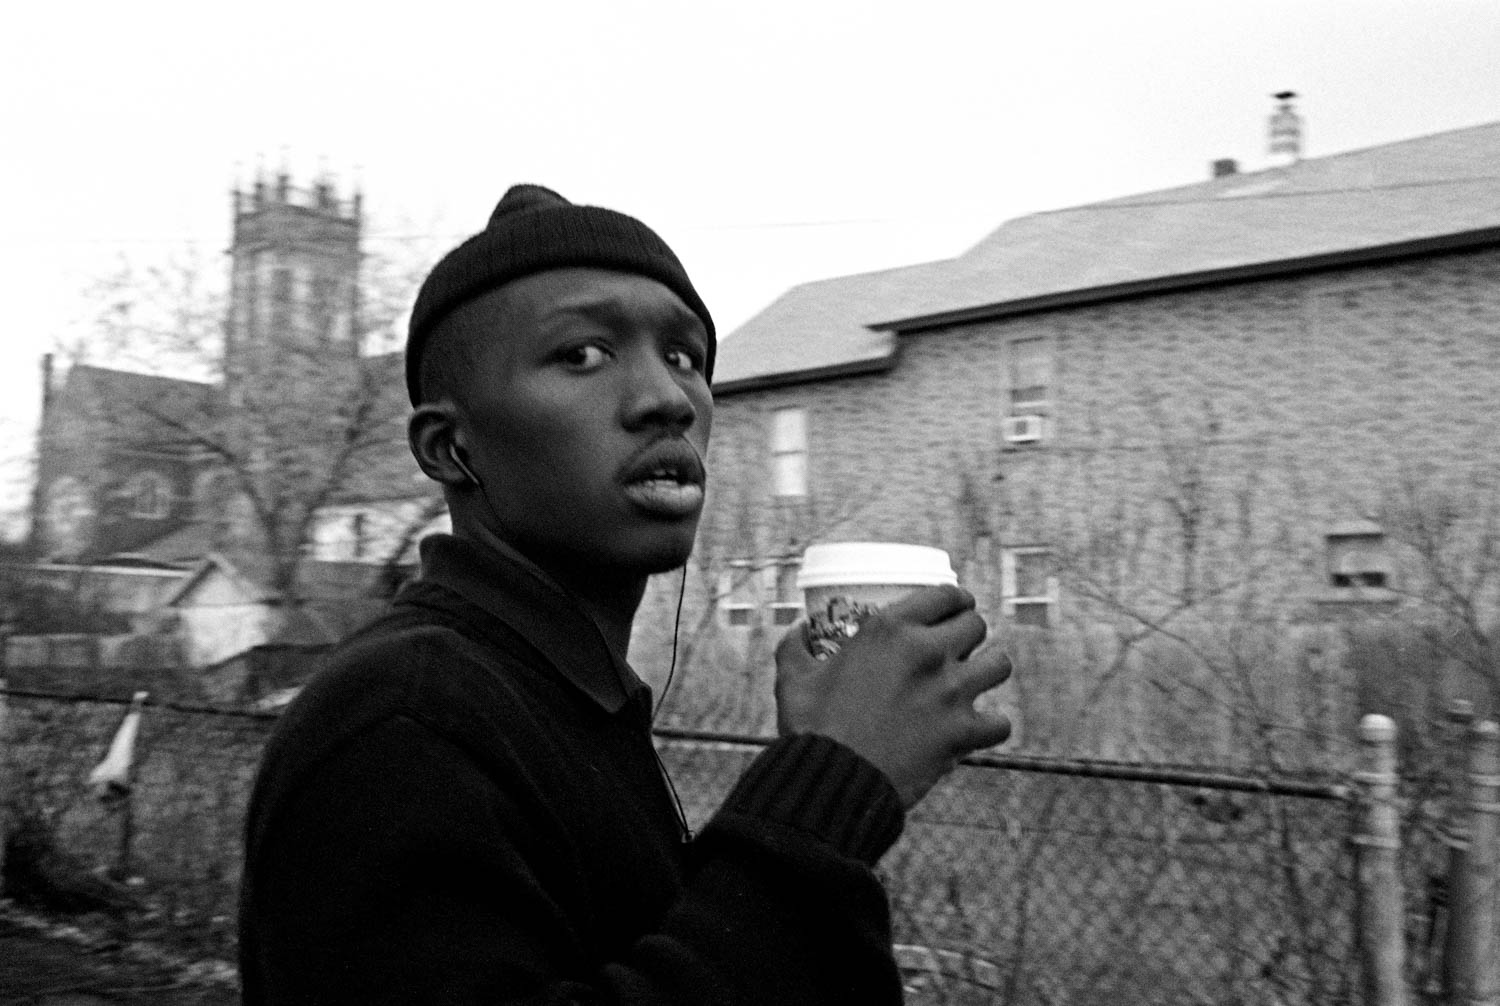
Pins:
x,y
466,807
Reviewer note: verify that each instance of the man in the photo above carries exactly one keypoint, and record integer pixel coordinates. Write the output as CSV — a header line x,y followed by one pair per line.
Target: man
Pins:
x,y
466,806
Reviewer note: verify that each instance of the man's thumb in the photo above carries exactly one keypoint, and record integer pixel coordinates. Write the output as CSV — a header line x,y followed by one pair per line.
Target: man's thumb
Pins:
x,y
792,653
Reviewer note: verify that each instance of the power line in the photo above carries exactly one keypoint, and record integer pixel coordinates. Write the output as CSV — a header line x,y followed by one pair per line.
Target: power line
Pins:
x,y
1130,202
30,241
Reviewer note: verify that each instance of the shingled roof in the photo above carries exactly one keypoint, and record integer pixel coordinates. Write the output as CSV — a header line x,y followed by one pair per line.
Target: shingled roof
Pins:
x,y
1415,196
822,329
141,409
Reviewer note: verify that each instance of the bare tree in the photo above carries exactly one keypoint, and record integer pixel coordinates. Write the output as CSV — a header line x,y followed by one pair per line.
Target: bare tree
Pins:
x,y
162,316
293,417
1449,534
1171,561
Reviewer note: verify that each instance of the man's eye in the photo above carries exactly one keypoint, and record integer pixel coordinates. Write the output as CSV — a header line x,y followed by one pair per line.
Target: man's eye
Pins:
x,y
684,360
585,357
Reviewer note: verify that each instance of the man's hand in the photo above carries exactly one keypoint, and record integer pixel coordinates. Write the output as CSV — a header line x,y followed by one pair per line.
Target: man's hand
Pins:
x,y
901,692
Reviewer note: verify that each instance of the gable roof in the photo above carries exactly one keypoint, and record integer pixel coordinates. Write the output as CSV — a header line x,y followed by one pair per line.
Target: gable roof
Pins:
x,y
1412,197
140,410
216,566
821,329
337,598
184,544
149,412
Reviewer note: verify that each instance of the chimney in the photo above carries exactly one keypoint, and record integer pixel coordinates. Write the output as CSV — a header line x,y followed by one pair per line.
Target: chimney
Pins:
x,y
1224,166
46,382
1286,131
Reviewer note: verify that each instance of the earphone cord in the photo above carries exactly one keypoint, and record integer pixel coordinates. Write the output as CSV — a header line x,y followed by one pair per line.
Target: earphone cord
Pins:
x,y
687,832
672,668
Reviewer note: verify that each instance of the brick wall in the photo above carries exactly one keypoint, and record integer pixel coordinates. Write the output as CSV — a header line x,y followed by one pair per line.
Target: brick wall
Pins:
x,y
1202,445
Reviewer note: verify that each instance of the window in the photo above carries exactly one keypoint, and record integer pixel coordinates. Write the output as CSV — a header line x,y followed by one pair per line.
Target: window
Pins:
x,y
320,310
739,615
242,297
789,452
1358,558
241,520
25,651
254,300
150,496
755,593
355,534
73,651
70,507
785,598
281,302
737,594
1030,376
1028,587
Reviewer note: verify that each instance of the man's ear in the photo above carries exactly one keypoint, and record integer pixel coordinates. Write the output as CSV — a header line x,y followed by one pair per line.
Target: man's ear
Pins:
x,y
432,433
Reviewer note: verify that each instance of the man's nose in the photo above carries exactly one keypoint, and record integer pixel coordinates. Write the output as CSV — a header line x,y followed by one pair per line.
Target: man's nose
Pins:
x,y
656,394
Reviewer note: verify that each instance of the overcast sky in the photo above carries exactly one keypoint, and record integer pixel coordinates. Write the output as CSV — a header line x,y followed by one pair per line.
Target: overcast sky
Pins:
x,y
770,142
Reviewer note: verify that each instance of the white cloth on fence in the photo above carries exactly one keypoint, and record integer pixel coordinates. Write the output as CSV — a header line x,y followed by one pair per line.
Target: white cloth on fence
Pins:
x,y
111,777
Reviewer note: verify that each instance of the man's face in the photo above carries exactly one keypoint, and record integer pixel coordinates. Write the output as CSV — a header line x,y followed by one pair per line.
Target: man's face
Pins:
x,y
587,416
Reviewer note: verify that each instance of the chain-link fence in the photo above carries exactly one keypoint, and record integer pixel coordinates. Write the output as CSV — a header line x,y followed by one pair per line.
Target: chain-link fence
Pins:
x,y
1023,881
1049,882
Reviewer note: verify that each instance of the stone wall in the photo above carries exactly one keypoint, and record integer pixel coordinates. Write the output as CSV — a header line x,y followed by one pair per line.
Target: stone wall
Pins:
x,y
179,833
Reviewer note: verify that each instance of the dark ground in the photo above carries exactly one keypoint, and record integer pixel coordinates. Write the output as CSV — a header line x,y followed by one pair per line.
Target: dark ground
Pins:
x,y
52,962
45,962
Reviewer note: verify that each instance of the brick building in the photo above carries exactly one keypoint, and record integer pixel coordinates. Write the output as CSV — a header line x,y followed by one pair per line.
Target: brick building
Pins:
x,y
1178,443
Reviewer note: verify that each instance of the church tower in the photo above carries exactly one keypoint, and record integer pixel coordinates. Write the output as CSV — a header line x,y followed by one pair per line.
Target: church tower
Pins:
x,y
293,280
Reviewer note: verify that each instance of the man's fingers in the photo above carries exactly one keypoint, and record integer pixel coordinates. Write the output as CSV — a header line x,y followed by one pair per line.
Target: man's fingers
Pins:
x,y
980,673
930,605
792,651
972,678
960,635
983,730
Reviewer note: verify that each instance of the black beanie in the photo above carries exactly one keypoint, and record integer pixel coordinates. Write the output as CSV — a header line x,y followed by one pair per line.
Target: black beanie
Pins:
x,y
534,229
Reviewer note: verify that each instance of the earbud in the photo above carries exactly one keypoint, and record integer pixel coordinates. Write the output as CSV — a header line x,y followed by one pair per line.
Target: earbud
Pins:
x,y
459,460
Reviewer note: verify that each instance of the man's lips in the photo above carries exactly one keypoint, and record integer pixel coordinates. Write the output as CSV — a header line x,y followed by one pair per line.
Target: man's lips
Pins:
x,y
666,498
673,459
666,479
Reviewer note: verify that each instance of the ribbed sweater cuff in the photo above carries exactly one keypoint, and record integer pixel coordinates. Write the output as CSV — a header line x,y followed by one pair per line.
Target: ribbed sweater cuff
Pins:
x,y
817,785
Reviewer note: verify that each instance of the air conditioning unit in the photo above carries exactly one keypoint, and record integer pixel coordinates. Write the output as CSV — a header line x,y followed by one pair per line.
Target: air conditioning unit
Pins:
x,y
1022,429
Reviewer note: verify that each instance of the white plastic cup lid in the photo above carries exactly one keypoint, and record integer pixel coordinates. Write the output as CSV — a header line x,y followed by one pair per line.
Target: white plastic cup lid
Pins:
x,y
874,562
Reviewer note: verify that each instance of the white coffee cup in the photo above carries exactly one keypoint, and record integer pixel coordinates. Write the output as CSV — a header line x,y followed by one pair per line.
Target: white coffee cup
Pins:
x,y
843,582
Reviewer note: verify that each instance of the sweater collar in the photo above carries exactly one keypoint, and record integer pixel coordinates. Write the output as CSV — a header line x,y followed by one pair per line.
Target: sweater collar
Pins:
x,y
511,589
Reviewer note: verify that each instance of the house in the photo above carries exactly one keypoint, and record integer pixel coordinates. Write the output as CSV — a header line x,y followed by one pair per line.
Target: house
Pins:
x,y
112,477
1181,444
248,641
